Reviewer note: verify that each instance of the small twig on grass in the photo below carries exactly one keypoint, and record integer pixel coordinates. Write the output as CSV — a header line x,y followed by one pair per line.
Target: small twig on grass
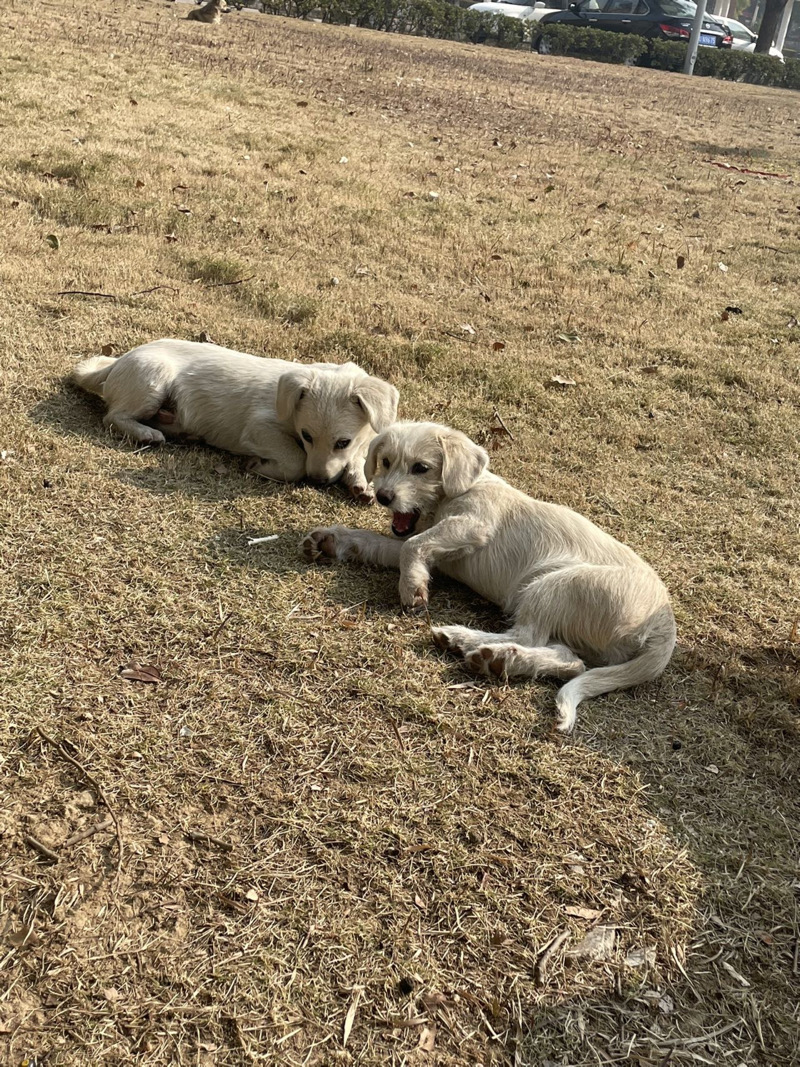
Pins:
x,y
546,955
202,838
500,420
98,828
261,540
95,785
143,292
45,851
80,292
218,630
219,285
397,734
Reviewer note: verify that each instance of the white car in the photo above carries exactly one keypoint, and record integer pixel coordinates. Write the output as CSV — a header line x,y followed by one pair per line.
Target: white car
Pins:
x,y
528,13
744,40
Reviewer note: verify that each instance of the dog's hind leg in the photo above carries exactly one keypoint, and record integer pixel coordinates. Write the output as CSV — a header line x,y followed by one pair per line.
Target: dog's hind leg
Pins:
x,y
129,426
461,639
518,661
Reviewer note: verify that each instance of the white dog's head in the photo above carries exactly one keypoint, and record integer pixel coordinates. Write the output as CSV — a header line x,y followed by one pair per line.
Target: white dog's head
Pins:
x,y
414,466
334,412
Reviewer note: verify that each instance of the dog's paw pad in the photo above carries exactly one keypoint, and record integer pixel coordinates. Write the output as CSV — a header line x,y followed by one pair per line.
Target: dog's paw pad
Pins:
x,y
362,494
319,544
486,661
442,641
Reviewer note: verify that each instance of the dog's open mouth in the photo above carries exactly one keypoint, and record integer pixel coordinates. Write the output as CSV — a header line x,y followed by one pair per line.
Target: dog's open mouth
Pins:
x,y
404,523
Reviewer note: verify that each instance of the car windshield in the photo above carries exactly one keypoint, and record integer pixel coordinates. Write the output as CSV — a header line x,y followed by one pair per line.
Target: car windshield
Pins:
x,y
684,9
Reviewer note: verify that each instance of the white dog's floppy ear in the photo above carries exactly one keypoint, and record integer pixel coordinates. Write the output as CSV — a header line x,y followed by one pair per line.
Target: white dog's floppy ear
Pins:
x,y
378,400
371,462
292,388
463,462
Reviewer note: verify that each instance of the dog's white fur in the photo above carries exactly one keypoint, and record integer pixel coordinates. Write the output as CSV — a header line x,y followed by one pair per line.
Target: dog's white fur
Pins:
x,y
289,417
573,591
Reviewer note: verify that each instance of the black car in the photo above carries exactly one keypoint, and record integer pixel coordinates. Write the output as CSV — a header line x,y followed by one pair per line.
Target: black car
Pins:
x,y
666,20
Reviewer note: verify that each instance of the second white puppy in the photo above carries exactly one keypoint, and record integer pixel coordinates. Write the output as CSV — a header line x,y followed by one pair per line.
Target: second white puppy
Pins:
x,y
292,419
574,592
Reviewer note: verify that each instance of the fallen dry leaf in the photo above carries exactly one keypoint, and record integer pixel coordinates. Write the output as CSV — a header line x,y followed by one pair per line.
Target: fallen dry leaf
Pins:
x,y
350,1018
681,262
22,937
434,1001
108,350
141,672
597,945
467,328
138,184
639,957
557,379
220,468
427,1039
582,913
498,346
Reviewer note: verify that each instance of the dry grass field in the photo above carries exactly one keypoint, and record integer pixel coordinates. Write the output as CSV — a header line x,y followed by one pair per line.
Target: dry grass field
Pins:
x,y
322,842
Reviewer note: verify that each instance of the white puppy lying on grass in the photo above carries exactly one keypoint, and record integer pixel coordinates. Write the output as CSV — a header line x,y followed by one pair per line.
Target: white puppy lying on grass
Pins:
x,y
292,419
573,591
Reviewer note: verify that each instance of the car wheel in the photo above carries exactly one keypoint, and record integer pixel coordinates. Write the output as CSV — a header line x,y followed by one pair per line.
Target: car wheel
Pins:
x,y
543,46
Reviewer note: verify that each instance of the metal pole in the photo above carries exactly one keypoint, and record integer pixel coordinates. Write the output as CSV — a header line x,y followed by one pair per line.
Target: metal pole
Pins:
x,y
694,40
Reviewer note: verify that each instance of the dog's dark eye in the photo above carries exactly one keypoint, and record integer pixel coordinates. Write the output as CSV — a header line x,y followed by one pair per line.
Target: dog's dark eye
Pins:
x,y
386,462
345,441
420,468
307,436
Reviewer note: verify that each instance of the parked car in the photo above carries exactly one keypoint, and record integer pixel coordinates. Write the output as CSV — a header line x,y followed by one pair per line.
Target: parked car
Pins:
x,y
528,13
744,40
667,20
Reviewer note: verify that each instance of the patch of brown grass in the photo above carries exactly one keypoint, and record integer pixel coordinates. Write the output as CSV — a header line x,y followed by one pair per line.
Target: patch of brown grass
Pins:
x,y
326,828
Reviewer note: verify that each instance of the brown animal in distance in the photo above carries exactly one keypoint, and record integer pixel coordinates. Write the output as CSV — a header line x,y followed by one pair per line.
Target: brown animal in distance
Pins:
x,y
209,12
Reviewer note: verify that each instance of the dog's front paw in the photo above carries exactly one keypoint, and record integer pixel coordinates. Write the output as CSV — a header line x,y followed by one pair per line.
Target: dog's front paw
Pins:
x,y
319,544
414,599
361,493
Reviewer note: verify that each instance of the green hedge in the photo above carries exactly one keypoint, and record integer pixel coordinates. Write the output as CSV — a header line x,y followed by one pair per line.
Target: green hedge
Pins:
x,y
725,63
438,18
422,18
566,40
728,64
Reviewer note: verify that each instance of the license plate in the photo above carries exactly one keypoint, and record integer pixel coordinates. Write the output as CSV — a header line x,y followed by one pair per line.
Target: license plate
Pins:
x,y
707,38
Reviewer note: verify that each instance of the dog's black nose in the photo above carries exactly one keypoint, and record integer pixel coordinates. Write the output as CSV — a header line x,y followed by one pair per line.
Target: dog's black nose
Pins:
x,y
384,498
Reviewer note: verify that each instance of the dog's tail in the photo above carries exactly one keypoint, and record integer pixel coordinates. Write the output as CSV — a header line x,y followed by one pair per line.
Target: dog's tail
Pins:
x,y
657,647
91,373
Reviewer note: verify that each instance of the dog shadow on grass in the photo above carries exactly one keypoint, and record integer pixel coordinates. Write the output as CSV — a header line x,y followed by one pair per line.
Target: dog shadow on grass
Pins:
x,y
718,772
192,468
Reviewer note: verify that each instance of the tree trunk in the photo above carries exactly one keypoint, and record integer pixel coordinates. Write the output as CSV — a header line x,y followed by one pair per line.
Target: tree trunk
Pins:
x,y
773,12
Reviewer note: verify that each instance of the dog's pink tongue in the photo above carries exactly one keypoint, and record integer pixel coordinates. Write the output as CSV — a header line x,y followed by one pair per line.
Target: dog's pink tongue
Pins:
x,y
402,520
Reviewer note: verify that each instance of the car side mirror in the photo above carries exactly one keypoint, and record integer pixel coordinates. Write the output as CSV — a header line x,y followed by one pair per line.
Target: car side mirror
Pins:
x,y
574,9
